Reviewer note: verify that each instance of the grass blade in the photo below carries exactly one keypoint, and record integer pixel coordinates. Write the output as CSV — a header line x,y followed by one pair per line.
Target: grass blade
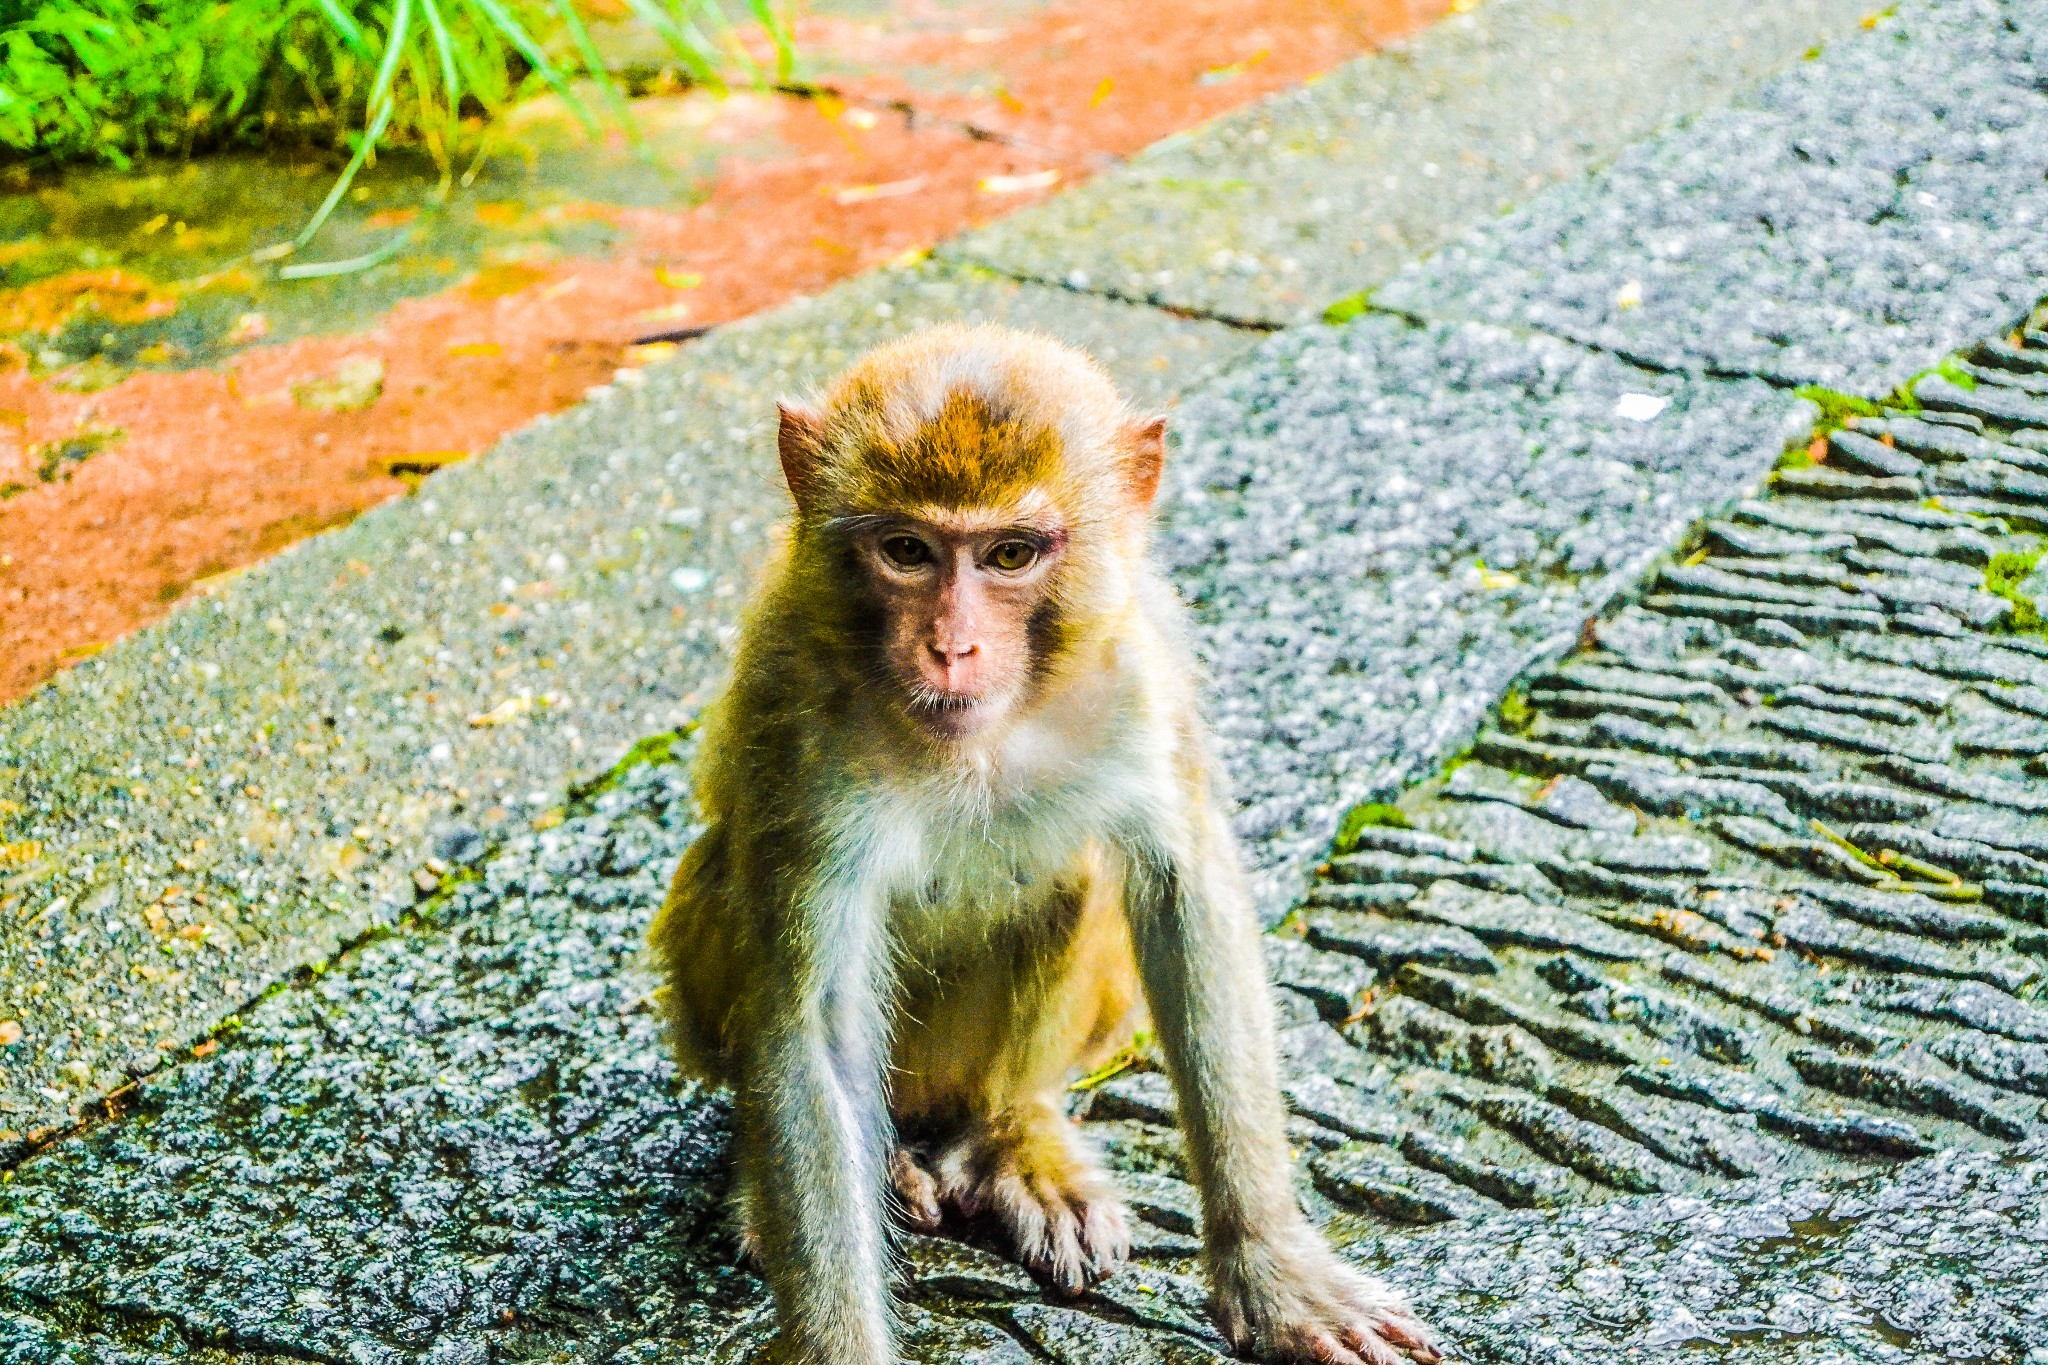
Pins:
x,y
451,79
593,63
394,45
776,23
345,24
688,44
355,163
515,33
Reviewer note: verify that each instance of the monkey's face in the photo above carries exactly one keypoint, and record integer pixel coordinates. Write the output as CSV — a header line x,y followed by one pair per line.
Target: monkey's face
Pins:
x,y
962,598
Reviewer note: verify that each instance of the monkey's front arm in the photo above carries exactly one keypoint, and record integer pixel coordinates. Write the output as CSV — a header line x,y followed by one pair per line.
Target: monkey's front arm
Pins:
x,y
1278,1289
812,1135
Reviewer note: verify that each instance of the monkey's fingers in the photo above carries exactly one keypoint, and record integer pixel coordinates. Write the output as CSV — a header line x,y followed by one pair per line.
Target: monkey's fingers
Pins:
x,y
1373,1346
1320,1348
1401,1329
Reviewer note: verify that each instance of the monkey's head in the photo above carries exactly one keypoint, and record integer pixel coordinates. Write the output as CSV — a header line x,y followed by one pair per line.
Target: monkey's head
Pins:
x,y
971,503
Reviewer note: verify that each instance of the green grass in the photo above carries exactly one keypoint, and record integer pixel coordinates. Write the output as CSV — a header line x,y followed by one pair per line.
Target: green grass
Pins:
x,y
1370,815
117,80
1836,408
1348,308
2002,578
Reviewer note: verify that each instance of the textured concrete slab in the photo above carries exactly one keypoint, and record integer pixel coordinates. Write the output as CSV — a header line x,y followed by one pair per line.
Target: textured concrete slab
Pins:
x,y
222,798
465,1143
1847,225
1379,525
1270,214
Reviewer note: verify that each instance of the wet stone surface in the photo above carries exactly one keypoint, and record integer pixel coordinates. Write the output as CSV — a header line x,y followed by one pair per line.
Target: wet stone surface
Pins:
x,y
1845,225
1367,575
1594,1078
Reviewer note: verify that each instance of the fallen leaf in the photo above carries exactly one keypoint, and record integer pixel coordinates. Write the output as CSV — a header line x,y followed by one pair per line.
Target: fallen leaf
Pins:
x,y
71,652
674,312
1020,184
11,1032
503,213
391,218
862,194
476,348
1102,92
118,296
207,1048
497,281
503,713
21,854
646,353
678,279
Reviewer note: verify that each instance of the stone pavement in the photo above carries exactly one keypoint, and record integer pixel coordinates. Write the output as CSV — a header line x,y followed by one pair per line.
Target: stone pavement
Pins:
x,y
1649,1058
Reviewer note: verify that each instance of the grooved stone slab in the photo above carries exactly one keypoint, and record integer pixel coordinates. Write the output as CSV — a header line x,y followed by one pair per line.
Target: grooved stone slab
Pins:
x,y
1379,525
1271,213
289,749
1846,225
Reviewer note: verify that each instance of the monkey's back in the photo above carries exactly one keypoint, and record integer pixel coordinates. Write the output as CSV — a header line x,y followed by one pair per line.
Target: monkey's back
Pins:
x,y
696,944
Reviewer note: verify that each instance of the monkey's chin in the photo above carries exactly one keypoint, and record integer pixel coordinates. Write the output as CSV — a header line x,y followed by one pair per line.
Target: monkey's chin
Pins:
x,y
955,718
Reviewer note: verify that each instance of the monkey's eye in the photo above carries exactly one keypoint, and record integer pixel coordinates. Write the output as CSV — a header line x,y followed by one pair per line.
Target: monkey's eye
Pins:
x,y
907,552
1012,555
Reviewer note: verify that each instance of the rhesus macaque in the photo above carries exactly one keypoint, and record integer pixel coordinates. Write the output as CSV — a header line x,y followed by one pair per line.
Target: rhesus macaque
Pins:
x,y
963,827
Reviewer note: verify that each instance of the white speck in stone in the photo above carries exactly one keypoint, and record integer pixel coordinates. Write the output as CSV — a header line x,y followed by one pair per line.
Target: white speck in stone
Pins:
x,y
1640,407
689,578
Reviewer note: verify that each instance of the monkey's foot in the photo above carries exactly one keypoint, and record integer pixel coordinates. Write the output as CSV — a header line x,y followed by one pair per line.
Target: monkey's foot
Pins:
x,y
1296,1302
916,1190
1063,1217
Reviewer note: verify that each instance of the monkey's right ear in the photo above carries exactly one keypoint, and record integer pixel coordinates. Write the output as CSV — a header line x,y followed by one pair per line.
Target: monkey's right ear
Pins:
x,y
801,443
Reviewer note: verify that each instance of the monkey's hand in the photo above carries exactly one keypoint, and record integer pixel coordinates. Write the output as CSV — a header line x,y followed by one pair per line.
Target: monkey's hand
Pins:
x,y
1290,1299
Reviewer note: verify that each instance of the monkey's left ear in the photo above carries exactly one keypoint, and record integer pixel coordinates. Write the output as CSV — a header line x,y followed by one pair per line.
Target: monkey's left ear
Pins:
x,y
1148,458
801,443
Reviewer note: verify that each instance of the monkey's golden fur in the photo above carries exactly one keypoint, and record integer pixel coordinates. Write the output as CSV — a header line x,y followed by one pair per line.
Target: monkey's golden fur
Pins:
x,y
878,924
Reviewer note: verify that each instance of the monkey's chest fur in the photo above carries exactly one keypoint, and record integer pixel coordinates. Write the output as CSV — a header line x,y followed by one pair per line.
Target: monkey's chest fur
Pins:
x,y
989,903
1012,959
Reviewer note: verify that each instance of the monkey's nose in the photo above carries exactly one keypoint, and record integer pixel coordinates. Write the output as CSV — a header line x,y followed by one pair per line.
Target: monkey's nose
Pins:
x,y
957,664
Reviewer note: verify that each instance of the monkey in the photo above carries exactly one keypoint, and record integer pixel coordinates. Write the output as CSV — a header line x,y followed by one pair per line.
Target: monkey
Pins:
x,y
963,832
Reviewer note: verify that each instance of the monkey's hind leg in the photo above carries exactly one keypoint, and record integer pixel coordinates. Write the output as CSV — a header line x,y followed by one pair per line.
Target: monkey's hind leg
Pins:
x,y
1008,1151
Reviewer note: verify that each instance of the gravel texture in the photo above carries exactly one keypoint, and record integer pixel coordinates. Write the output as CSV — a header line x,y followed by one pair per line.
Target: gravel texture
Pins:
x,y
1846,225
1270,214
1367,575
